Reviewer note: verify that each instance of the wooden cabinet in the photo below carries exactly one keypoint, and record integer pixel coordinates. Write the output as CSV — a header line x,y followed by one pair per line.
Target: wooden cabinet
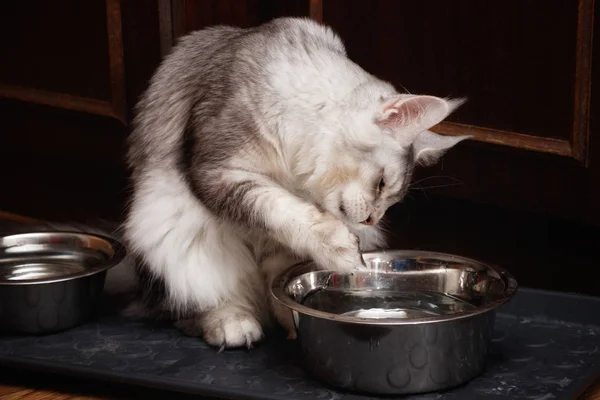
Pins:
x,y
526,68
524,193
70,73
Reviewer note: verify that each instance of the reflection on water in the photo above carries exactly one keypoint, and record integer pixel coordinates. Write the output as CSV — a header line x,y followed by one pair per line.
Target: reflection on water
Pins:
x,y
382,304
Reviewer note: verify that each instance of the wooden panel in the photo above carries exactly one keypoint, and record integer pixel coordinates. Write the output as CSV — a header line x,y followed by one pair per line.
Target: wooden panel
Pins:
x,y
316,10
583,80
518,180
32,129
523,180
540,251
142,42
526,73
67,160
66,54
59,162
242,13
59,100
189,15
528,70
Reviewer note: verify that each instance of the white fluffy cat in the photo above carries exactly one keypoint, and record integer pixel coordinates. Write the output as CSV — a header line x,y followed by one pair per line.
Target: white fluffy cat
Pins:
x,y
254,149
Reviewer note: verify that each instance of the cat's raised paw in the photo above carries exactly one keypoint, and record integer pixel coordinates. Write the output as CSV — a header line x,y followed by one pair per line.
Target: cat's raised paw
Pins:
x,y
338,248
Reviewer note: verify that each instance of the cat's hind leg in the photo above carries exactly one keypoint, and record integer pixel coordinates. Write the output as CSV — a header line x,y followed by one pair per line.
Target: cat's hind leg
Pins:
x,y
237,319
210,276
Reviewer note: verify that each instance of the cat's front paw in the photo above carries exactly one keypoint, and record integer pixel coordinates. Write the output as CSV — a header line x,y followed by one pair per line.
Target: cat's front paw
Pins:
x,y
223,327
338,248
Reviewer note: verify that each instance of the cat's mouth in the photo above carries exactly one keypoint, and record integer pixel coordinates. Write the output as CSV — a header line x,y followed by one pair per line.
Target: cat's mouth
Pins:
x,y
369,221
358,226
343,214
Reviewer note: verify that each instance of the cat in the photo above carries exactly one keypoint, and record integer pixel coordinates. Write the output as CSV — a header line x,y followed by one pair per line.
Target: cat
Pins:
x,y
254,149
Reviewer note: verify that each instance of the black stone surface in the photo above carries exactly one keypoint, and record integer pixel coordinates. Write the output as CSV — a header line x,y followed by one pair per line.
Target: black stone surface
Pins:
x,y
546,346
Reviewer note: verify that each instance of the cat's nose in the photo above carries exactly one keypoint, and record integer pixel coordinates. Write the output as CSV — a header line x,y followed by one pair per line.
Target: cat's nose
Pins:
x,y
368,221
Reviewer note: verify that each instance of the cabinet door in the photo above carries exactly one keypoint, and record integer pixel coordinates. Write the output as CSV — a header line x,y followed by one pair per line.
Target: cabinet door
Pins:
x,y
526,69
70,73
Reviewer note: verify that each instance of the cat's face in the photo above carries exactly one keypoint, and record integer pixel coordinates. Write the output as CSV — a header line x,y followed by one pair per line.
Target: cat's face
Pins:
x,y
366,182
372,168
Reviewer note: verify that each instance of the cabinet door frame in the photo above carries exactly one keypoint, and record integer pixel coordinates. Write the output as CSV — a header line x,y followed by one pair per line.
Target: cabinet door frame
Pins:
x,y
115,107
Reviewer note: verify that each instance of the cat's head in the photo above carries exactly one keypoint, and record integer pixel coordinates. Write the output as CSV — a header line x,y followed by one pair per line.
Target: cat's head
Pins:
x,y
380,142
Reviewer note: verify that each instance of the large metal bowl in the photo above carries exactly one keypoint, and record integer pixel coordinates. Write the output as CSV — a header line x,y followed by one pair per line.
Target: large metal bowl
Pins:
x,y
412,322
51,281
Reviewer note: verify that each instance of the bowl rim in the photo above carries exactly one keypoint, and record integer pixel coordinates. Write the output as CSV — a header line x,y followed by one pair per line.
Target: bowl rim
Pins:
x,y
117,257
278,293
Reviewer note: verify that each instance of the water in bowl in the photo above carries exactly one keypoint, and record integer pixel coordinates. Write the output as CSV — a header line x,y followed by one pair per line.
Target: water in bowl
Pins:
x,y
381,304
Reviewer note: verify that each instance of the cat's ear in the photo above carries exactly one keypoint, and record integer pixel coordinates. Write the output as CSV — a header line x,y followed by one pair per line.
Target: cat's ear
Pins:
x,y
404,115
429,147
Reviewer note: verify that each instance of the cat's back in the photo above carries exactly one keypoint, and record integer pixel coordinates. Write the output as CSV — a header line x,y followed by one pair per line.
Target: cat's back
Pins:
x,y
197,65
280,37
220,67
220,59
292,45
298,60
302,34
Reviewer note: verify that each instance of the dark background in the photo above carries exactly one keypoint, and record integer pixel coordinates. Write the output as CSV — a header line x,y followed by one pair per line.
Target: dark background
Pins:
x,y
523,195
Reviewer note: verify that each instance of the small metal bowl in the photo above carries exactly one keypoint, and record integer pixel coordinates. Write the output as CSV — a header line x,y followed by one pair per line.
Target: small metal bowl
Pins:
x,y
413,322
51,281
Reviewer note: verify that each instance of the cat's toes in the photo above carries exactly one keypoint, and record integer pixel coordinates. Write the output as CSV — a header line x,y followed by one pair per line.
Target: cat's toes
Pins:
x,y
230,329
339,248
341,252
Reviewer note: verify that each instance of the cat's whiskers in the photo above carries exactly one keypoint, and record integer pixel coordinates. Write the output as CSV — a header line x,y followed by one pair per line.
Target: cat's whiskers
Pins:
x,y
438,186
435,177
405,89
384,227
412,185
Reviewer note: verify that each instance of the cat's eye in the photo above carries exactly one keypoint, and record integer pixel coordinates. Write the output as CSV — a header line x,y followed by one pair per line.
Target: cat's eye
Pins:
x,y
381,184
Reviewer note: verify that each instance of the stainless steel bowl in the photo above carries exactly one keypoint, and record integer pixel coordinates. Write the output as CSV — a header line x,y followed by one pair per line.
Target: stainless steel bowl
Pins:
x,y
412,322
51,281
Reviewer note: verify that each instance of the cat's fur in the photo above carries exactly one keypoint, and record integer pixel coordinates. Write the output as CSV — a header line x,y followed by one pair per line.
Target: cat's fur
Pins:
x,y
254,149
